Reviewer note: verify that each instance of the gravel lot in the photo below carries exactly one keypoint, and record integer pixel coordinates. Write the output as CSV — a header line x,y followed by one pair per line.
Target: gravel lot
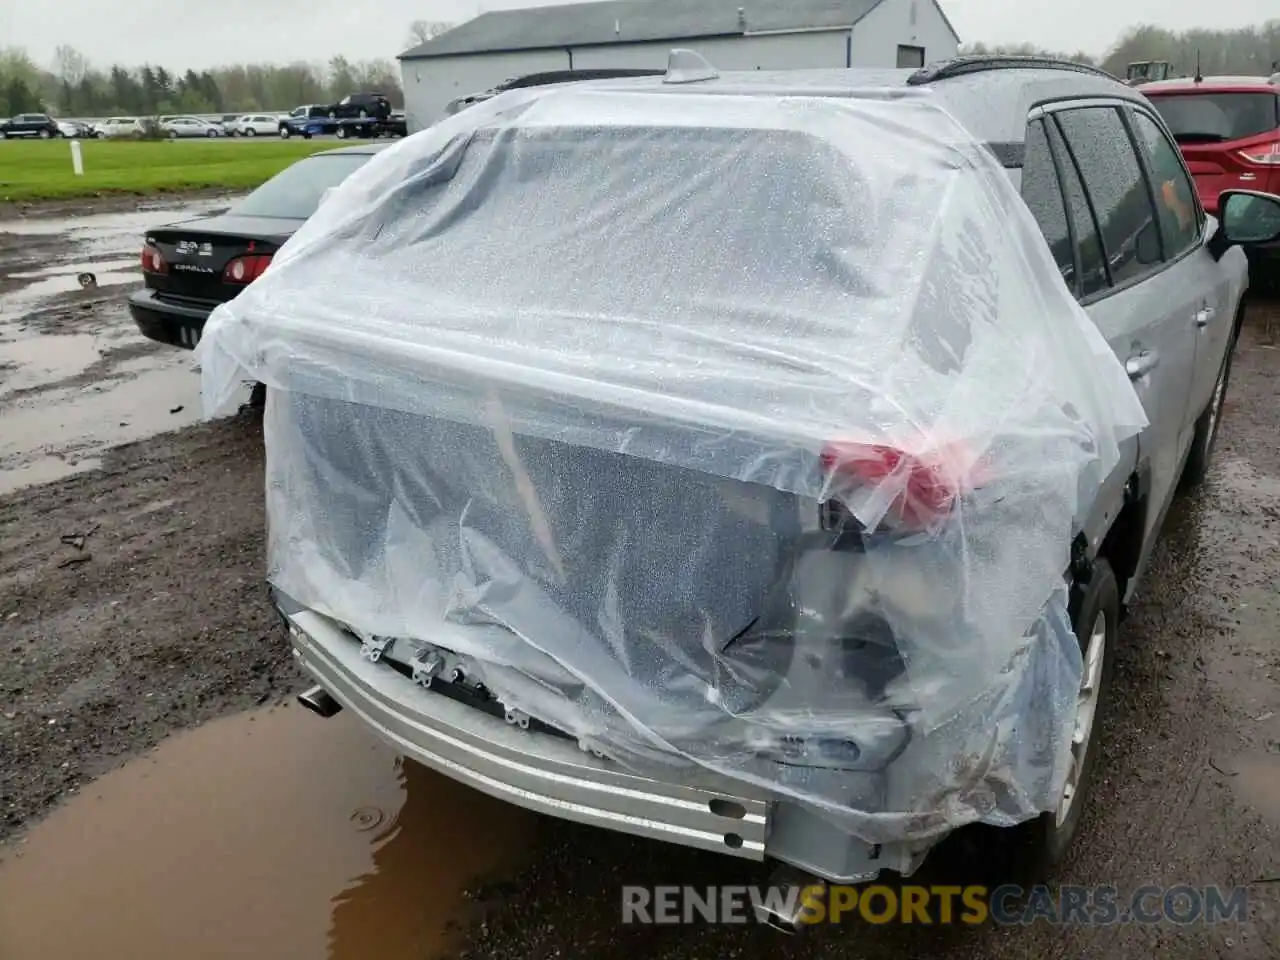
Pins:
x,y
132,606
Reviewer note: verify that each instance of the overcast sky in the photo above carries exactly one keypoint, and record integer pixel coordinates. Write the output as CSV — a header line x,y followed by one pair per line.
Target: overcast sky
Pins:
x,y
196,33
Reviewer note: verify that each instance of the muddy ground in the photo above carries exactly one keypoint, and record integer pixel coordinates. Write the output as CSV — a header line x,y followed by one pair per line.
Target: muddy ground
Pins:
x,y
132,607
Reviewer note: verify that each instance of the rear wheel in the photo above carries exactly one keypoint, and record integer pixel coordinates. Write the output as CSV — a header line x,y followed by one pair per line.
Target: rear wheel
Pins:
x,y
211,134
45,135
285,133
1199,458
1095,619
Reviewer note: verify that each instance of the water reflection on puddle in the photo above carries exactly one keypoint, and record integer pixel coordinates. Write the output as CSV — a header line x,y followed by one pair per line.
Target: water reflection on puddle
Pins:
x,y
274,834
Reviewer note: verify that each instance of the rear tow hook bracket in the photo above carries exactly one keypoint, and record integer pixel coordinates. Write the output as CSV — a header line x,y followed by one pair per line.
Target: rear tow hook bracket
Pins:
x,y
427,665
373,648
517,718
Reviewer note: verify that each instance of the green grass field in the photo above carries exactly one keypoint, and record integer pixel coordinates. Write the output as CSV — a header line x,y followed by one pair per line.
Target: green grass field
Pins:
x,y
41,170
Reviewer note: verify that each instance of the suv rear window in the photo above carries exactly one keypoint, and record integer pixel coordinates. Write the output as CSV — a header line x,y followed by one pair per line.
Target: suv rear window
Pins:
x,y
1217,117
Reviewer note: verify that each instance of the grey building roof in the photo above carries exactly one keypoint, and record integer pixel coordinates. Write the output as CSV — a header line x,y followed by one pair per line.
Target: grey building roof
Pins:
x,y
637,21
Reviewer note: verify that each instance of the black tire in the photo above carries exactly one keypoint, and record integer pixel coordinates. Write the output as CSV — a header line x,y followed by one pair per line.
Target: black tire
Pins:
x,y
45,135
306,136
342,133
211,134
251,132
285,133
100,135
1043,843
1200,457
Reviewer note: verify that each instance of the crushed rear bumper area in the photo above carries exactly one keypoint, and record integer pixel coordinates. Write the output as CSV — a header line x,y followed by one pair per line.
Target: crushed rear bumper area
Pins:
x,y
539,771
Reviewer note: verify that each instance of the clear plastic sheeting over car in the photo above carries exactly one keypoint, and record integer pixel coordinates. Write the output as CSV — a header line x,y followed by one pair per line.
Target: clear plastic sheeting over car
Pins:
x,y
725,433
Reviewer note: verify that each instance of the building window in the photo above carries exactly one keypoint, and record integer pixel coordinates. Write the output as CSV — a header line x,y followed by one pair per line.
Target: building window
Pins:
x,y
910,56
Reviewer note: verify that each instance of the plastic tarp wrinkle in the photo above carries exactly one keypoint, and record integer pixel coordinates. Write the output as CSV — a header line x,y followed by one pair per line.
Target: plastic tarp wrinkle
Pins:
x,y
743,434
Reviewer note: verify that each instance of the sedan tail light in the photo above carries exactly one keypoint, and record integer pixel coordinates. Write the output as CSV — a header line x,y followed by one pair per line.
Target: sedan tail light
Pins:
x,y
1267,154
153,262
246,269
931,481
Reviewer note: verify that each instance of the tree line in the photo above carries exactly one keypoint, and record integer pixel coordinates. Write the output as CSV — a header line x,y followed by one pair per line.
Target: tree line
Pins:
x,y
71,86
1248,51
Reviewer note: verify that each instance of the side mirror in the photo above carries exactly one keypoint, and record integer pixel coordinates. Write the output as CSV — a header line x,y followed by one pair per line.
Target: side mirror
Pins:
x,y
1245,218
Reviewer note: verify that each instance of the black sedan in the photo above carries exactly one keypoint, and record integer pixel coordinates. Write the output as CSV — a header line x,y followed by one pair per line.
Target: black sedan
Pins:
x,y
192,266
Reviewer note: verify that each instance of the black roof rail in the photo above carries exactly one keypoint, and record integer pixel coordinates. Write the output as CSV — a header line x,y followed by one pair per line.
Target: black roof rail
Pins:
x,y
551,77
980,63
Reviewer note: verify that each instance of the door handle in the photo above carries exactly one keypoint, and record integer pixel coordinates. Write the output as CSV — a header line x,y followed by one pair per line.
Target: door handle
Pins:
x,y
1140,364
1204,315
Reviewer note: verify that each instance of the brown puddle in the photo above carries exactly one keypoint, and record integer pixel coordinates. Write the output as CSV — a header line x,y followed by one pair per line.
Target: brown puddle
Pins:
x,y
1257,780
275,834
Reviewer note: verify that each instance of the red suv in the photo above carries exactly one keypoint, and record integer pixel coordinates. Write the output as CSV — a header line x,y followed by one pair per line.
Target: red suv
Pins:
x,y
1228,129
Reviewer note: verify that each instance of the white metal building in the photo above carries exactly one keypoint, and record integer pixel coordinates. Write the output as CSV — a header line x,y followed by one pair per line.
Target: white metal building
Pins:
x,y
732,34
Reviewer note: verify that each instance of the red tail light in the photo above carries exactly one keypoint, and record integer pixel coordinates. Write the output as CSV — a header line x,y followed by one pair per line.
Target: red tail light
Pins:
x,y
246,269
931,481
1267,154
152,262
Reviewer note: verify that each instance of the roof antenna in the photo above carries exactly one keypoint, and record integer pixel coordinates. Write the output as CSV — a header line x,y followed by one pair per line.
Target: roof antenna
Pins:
x,y
1199,75
687,66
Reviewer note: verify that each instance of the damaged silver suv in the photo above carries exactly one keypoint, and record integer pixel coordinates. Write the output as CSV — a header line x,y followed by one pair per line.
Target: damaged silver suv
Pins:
x,y
758,462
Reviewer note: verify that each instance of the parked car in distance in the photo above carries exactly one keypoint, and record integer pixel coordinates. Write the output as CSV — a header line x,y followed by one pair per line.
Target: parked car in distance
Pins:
x,y
117,127
368,504
365,106
306,121
183,127
397,125
253,125
191,266
74,129
1228,129
39,125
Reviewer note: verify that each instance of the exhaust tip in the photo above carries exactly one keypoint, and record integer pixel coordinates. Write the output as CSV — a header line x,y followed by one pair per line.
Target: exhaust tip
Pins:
x,y
319,702
786,914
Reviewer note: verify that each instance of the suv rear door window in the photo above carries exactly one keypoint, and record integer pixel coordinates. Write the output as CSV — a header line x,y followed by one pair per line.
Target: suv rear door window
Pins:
x,y
1219,117
1093,266
1099,141
1043,196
